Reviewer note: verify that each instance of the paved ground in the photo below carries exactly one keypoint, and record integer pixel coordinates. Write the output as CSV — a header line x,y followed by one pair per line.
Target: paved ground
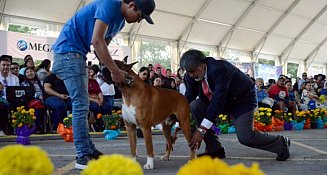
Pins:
x,y
308,153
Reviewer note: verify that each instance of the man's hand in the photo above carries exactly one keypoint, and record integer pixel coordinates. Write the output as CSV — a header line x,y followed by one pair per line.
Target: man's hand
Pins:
x,y
196,140
119,76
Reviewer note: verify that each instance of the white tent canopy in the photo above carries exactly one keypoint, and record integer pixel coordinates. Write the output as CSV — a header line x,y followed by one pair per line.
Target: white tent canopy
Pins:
x,y
285,29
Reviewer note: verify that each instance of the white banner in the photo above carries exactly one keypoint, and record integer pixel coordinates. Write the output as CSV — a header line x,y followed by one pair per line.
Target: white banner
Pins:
x,y
18,45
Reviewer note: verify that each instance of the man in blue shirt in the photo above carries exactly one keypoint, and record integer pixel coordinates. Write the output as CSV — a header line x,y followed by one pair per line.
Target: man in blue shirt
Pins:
x,y
95,24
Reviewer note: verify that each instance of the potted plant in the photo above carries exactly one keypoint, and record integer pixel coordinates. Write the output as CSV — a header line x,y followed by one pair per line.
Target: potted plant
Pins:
x,y
65,129
23,122
262,119
111,124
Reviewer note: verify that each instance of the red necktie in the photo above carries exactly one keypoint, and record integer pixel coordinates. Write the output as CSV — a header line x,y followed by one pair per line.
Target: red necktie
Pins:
x,y
206,90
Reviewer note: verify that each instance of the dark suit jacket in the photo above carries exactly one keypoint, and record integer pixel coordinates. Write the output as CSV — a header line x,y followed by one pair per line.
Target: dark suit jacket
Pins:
x,y
233,91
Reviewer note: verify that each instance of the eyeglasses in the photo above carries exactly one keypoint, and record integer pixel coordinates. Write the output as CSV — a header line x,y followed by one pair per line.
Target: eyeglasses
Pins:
x,y
13,68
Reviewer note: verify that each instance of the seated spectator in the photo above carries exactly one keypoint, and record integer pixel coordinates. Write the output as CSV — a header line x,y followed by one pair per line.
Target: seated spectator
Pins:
x,y
28,62
43,70
57,99
294,96
151,77
107,89
96,100
4,106
144,74
263,98
32,80
6,79
279,93
309,95
14,67
158,82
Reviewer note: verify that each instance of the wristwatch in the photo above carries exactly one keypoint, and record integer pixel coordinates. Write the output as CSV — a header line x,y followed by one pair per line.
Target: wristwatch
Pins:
x,y
202,131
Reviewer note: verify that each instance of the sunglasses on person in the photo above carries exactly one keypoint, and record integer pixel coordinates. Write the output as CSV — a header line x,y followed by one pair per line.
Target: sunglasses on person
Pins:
x,y
13,68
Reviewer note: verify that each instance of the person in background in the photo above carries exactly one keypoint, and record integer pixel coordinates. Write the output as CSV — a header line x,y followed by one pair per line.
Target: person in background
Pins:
x,y
108,91
222,88
14,67
95,24
304,79
150,66
57,99
144,74
43,70
96,99
6,79
28,62
37,103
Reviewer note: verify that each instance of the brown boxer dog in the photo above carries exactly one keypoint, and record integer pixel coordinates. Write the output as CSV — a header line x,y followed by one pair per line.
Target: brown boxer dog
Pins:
x,y
145,105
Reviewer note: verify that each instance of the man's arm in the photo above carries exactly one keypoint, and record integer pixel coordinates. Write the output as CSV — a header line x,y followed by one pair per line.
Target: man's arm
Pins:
x,y
100,46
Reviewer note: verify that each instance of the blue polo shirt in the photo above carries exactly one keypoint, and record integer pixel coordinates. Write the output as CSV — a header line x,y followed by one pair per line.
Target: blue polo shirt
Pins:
x,y
76,34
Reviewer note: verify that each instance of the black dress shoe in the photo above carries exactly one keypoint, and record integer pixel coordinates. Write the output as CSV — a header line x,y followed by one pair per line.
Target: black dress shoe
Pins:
x,y
96,154
220,153
286,150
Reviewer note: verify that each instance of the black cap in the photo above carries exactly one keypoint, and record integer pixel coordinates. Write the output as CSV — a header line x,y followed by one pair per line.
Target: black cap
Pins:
x,y
146,7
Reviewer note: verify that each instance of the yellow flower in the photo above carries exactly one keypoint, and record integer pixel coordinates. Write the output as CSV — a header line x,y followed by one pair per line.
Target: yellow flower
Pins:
x,y
18,159
269,109
31,110
224,118
13,116
114,164
20,125
34,117
70,115
262,113
221,116
268,114
261,109
289,114
208,166
14,121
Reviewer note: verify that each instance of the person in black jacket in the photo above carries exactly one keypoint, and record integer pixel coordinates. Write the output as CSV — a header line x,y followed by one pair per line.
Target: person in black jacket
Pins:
x,y
222,88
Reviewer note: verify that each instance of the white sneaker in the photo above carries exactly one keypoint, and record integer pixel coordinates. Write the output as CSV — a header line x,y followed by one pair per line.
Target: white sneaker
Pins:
x,y
2,133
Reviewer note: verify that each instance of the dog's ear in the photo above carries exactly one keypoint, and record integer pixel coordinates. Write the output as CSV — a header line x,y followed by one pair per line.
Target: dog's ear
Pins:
x,y
129,66
125,59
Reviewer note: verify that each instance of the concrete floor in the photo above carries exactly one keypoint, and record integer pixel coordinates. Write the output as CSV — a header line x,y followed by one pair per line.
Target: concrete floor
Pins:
x,y
308,153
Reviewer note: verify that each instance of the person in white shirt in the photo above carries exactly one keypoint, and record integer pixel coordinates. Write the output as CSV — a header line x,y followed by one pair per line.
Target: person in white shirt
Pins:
x,y
107,89
6,79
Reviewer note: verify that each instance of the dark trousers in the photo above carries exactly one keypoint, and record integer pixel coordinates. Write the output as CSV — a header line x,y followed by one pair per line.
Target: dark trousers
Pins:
x,y
4,121
59,109
244,131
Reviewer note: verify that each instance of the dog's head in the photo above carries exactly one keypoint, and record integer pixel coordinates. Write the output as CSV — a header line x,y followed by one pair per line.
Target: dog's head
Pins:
x,y
124,66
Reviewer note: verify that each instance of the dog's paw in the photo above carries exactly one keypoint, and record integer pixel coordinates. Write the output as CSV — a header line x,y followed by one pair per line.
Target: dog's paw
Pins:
x,y
149,164
164,158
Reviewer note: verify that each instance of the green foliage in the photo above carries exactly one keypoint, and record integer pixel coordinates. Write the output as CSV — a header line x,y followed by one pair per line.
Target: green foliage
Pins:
x,y
68,121
154,53
267,62
20,29
292,69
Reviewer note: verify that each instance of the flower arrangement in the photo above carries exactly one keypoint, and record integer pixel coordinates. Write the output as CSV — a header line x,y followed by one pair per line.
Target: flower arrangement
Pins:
x,y
68,121
288,117
223,120
65,129
114,164
279,114
112,121
23,117
303,115
263,116
207,165
18,159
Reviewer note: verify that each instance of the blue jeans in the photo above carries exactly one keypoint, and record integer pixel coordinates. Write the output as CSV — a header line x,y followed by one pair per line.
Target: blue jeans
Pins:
x,y
71,68
59,108
108,104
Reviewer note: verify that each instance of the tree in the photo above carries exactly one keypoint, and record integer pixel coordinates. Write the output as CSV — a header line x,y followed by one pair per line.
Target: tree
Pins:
x,y
292,69
267,62
20,29
154,53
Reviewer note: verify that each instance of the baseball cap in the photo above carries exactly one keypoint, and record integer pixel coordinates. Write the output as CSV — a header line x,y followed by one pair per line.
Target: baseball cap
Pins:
x,y
146,7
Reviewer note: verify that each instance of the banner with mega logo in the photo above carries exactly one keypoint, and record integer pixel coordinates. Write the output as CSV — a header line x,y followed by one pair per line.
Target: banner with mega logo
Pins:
x,y
19,45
